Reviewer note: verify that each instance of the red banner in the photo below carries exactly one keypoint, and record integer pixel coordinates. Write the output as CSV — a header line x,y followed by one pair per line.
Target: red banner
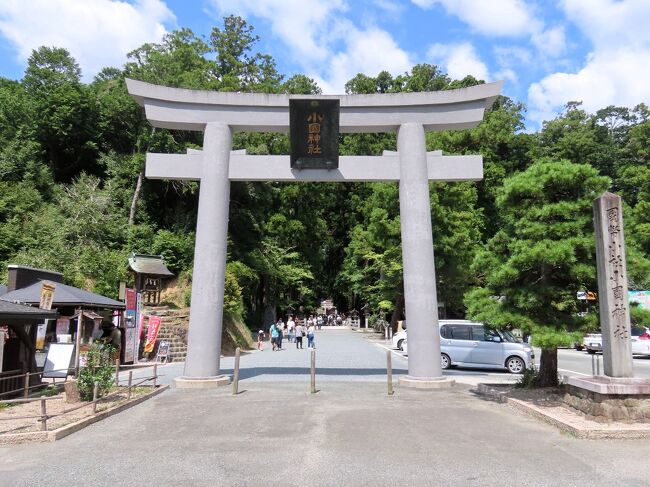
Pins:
x,y
131,299
152,333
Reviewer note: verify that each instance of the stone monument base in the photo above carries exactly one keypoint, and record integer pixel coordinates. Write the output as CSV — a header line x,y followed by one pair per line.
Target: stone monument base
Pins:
x,y
201,382
429,383
606,399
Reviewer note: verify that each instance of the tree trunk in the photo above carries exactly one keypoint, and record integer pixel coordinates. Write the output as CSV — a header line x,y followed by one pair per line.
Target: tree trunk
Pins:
x,y
398,313
547,376
136,197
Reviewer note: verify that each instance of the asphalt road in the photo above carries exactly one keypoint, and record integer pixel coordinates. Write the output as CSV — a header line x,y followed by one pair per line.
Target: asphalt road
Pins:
x,y
349,433
342,354
580,362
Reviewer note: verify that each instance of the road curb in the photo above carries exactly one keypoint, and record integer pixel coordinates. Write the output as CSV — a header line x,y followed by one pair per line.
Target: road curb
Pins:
x,y
68,429
577,431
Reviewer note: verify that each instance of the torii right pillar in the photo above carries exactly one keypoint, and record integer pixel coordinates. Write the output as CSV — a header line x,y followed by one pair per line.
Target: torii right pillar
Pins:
x,y
421,301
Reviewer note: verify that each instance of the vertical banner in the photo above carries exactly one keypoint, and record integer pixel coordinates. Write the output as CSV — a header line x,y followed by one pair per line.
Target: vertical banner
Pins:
x,y
130,316
139,317
129,344
40,336
152,333
62,326
131,303
47,295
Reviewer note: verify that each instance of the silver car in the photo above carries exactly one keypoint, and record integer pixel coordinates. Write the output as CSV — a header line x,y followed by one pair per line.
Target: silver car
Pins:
x,y
477,345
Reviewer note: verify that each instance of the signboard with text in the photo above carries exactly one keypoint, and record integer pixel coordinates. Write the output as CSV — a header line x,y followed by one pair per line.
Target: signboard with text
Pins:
x,y
47,295
314,133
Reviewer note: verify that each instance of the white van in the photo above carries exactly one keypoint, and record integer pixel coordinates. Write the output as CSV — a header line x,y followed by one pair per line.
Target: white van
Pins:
x,y
470,344
477,345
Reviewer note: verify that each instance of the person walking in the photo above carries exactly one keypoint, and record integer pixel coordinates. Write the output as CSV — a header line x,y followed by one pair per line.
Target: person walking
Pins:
x,y
273,331
280,326
300,332
260,339
319,321
291,325
311,331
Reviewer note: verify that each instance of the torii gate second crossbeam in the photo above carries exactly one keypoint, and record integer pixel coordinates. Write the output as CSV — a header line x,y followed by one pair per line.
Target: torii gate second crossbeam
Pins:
x,y
219,114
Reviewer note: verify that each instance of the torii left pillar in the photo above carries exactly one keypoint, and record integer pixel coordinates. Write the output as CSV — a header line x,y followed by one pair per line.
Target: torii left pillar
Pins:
x,y
208,278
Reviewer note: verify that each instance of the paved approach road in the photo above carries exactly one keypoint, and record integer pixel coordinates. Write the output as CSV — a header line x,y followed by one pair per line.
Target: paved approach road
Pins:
x,y
351,433
341,355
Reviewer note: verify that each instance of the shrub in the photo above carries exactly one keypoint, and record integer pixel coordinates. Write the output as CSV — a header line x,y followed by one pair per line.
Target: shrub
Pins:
x,y
98,369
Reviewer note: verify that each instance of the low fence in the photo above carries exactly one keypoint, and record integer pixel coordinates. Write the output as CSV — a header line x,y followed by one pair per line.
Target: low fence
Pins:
x,y
14,382
44,416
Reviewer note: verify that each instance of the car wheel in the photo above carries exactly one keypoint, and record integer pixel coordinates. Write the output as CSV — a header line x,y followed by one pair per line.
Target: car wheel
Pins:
x,y
399,345
579,347
515,365
590,351
445,361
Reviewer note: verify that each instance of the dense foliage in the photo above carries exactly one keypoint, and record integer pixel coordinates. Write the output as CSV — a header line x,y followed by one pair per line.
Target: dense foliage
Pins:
x,y
73,196
98,370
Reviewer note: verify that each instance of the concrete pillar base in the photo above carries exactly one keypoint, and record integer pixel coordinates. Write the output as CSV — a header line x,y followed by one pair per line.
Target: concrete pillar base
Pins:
x,y
432,383
201,382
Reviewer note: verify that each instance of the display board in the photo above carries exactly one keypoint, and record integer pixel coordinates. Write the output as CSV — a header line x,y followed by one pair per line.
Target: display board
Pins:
x,y
58,360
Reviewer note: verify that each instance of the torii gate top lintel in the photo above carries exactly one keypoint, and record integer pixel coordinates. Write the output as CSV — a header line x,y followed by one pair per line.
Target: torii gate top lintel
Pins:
x,y
185,109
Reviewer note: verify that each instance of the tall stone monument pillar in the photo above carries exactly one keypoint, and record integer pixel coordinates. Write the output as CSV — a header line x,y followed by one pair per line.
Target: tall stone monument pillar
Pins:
x,y
612,286
420,297
208,278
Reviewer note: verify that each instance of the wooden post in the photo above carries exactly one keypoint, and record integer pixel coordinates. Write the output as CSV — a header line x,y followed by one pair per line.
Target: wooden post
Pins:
x,y
155,374
313,371
95,390
389,370
128,392
43,415
117,371
26,385
235,378
78,343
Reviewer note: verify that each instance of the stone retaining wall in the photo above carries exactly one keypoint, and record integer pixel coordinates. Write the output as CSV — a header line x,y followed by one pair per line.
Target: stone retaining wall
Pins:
x,y
604,408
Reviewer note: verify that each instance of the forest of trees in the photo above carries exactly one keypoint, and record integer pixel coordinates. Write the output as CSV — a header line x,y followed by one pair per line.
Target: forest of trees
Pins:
x,y
73,197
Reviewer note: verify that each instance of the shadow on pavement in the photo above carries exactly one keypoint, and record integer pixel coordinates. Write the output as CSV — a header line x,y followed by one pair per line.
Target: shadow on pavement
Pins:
x,y
248,373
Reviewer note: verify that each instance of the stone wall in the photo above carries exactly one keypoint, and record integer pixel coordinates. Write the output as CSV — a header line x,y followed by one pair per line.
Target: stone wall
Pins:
x,y
605,408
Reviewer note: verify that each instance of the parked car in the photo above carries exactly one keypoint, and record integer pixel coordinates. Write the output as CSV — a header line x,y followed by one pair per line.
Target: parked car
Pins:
x,y
400,338
640,338
593,342
466,343
477,345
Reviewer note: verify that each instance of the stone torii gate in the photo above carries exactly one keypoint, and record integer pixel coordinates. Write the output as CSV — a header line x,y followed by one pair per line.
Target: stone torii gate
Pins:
x,y
219,114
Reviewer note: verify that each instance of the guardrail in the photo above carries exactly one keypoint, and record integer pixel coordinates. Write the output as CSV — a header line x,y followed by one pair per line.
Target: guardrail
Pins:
x,y
44,416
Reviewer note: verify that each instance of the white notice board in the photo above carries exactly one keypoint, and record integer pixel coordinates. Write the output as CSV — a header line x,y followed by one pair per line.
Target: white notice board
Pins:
x,y
58,360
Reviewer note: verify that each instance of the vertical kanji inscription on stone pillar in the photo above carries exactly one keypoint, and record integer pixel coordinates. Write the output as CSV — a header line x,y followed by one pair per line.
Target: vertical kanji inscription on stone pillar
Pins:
x,y
612,286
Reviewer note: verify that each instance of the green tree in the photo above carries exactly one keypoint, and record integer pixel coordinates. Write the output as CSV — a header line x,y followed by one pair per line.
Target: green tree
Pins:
x,y
544,253
64,113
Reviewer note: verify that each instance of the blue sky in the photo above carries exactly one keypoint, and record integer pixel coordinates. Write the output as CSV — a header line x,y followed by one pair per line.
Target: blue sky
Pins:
x,y
547,52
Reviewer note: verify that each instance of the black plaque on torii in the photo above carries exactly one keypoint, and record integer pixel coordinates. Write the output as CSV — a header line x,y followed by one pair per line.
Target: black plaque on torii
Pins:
x,y
314,133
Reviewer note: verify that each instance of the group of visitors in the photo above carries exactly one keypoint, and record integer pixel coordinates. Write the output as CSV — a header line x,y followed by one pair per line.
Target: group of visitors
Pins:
x,y
295,333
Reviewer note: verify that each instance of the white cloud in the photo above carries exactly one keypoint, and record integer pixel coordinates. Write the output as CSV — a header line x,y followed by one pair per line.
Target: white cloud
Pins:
x,y
615,76
98,33
504,18
299,23
367,51
551,42
327,46
611,22
459,60
489,17
617,69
